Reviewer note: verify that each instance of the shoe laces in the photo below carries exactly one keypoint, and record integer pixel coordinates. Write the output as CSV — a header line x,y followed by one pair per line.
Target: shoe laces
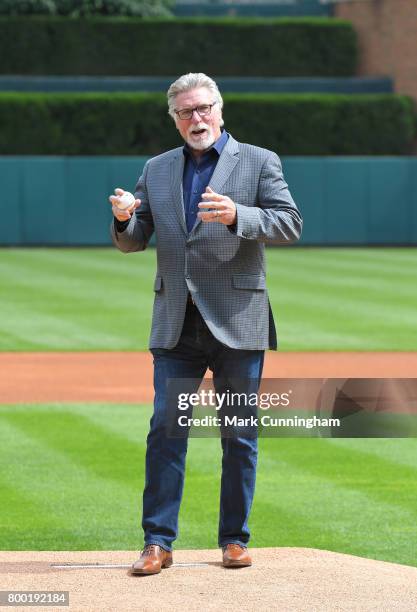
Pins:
x,y
148,550
234,546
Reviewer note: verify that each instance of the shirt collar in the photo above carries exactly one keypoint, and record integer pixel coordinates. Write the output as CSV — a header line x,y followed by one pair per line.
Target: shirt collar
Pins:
x,y
217,146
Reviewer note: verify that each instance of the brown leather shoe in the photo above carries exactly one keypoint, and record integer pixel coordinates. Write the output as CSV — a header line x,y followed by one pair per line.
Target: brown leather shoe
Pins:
x,y
152,560
235,555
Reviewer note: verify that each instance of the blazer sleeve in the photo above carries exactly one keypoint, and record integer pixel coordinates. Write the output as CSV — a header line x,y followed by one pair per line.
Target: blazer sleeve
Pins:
x,y
136,235
275,219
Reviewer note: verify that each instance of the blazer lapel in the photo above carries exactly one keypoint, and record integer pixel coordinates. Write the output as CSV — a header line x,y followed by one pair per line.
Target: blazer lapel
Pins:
x,y
176,176
227,161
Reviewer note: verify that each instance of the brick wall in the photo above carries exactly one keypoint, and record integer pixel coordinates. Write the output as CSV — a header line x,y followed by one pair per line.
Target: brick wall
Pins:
x,y
387,31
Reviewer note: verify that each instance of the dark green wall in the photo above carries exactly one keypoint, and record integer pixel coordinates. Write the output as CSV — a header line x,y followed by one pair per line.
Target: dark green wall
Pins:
x,y
61,200
258,9
344,200
350,85
355,200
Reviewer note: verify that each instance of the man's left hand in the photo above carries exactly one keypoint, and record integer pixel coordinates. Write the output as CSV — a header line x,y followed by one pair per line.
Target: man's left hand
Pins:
x,y
222,208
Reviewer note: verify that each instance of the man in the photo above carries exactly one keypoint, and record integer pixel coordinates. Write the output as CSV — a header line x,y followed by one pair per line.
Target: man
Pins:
x,y
213,205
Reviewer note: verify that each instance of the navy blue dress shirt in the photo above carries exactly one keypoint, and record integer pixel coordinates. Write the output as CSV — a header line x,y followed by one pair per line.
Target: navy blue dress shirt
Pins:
x,y
197,175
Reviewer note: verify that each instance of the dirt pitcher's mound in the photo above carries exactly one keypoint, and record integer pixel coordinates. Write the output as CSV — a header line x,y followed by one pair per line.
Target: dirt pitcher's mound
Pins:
x,y
285,579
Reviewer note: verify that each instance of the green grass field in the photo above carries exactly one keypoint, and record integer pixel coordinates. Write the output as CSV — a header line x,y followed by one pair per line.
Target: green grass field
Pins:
x,y
71,477
100,299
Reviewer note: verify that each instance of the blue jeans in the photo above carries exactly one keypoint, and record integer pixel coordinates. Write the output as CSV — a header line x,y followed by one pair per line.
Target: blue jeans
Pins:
x,y
196,351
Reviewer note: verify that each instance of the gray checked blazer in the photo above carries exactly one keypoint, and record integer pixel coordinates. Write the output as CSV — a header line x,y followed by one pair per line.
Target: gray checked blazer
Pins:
x,y
223,269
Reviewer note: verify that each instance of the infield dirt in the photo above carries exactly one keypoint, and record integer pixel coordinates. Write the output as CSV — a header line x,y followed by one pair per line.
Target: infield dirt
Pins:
x,y
284,579
127,377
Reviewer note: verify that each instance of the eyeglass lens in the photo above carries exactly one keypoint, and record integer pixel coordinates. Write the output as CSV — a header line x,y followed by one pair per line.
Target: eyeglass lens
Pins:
x,y
202,110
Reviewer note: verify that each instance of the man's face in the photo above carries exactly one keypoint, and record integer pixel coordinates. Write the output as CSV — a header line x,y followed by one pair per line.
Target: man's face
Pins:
x,y
199,132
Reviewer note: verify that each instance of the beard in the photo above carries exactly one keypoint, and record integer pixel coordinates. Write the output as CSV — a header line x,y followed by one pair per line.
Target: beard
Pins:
x,y
200,137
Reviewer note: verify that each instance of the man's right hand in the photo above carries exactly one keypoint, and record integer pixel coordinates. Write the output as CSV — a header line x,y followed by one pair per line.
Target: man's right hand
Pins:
x,y
122,215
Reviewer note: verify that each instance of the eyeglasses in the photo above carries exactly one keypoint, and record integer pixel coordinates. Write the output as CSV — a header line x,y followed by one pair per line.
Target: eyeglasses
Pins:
x,y
203,110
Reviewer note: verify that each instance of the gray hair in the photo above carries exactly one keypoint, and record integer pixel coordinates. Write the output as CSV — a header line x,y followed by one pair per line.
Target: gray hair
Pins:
x,y
189,81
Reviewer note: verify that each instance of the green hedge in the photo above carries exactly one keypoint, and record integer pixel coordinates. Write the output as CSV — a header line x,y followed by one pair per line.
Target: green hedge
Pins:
x,y
222,47
138,124
81,8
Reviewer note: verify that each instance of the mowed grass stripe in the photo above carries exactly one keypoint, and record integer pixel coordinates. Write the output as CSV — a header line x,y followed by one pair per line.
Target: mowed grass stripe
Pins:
x,y
83,511
58,332
80,285
335,304
330,518
66,318
338,294
359,310
372,257
99,299
17,508
121,458
341,314
70,267
292,526
378,478
76,437
75,260
303,329
131,422
50,460
128,421
401,452
309,492
300,338
369,283
338,514
50,307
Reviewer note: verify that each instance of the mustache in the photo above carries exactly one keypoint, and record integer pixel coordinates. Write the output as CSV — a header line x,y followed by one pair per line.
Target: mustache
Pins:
x,y
199,126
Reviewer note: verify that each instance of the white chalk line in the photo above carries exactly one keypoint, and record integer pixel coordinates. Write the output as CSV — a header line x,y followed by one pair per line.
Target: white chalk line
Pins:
x,y
114,566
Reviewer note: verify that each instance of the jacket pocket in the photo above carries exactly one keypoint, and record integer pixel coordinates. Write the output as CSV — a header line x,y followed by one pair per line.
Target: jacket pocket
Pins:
x,y
249,281
157,285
